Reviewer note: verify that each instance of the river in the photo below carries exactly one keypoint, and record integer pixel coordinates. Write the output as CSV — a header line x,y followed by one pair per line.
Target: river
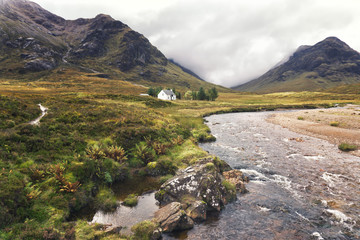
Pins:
x,y
300,187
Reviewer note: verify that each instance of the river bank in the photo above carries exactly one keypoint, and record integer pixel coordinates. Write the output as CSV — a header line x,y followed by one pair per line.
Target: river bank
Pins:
x,y
336,125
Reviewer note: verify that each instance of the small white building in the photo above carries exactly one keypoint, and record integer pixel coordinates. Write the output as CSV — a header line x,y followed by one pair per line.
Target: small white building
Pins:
x,y
167,95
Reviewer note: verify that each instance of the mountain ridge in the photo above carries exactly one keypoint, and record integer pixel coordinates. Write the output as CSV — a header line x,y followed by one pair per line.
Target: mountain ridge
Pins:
x,y
36,42
326,64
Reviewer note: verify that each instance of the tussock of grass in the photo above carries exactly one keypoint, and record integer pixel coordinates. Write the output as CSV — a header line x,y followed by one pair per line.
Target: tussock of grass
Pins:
x,y
334,124
184,154
345,147
131,200
144,230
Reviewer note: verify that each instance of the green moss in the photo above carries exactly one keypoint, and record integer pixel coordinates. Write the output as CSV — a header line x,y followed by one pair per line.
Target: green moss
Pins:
x,y
105,200
144,230
229,186
159,194
131,200
210,166
151,165
230,191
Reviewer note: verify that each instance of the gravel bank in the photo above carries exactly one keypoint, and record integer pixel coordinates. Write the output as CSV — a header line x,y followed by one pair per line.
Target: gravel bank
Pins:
x,y
317,122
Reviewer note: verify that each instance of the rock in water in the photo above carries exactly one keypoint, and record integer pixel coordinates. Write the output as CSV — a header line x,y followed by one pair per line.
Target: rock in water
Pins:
x,y
197,211
172,218
236,178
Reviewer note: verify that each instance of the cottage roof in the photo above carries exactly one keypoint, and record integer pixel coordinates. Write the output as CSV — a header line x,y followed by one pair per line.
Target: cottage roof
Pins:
x,y
169,92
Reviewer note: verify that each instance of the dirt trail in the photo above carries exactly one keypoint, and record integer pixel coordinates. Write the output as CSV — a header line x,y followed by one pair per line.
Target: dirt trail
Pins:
x,y
317,122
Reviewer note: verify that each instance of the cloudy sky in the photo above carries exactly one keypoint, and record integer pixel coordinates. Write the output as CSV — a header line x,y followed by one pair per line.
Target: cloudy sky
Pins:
x,y
227,42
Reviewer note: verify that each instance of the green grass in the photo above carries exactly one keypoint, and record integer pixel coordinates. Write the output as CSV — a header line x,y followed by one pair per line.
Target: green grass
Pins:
x,y
47,172
345,147
144,230
131,200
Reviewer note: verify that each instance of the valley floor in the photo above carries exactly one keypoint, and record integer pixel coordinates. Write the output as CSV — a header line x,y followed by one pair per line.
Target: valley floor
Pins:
x,y
336,125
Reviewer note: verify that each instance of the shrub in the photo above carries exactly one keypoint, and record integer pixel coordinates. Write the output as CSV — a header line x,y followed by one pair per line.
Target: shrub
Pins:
x,y
347,147
334,124
144,230
177,141
12,197
134,163
144,153
159,148
166,166
105,200
131,200
300,118
116,153
95,153
84,231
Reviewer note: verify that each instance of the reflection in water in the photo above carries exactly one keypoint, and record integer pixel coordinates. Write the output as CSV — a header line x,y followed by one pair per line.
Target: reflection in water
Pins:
x,y
128,216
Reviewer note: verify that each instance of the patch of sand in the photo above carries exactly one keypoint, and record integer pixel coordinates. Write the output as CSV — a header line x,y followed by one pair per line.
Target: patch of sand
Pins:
x,y
316,123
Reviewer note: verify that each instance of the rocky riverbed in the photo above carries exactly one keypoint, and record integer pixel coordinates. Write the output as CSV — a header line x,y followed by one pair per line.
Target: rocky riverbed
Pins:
x,y
300,187
202,188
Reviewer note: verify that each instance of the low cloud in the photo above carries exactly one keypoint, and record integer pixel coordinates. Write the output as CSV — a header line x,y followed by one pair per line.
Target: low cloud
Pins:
x,y
228,42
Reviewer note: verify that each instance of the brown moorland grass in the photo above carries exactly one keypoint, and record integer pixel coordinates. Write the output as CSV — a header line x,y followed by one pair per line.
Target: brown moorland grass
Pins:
x,y
89,112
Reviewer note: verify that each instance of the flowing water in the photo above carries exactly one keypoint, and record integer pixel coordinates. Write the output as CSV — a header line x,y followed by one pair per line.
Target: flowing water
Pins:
x,y
43,113
300,187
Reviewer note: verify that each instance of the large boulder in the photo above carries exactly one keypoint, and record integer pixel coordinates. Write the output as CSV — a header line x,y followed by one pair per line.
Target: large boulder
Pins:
x,y
173,218
200,182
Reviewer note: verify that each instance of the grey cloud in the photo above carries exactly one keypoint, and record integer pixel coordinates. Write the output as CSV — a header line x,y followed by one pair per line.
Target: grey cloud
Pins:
x,y
229,42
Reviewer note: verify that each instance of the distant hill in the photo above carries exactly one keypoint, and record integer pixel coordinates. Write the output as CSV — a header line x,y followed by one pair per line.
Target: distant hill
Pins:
x,y
347,88
34,43
327,64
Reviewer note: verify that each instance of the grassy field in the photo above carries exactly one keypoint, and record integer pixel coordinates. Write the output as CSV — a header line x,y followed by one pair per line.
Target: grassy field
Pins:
x,y
99,132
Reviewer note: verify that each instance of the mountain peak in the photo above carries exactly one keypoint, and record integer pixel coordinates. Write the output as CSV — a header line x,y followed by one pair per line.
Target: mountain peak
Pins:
x,y
104,16
326,64
332,39
33,40
333,42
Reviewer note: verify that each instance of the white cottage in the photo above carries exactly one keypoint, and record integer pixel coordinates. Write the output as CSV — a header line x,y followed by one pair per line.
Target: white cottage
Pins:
x,y
167,95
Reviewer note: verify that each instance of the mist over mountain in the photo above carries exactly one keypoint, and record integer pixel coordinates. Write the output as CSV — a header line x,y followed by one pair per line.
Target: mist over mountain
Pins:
x,y
327,64
35,42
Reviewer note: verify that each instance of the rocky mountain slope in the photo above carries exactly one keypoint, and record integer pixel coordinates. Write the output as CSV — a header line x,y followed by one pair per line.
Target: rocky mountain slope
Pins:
x,y
327,64
36,43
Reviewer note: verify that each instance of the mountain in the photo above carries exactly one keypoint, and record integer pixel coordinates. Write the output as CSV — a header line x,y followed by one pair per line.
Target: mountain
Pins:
x,y
35,43
327,64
